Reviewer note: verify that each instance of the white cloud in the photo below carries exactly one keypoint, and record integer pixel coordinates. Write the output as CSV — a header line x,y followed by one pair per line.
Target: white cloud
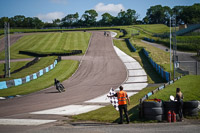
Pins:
x,y
59,1
51,16
110,8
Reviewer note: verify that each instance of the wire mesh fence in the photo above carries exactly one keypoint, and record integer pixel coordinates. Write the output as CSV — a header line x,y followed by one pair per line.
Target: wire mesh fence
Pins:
x,y
188,67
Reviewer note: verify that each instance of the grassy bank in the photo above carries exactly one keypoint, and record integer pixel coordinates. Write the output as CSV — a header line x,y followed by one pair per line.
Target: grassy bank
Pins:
x,y
153,28
189,86
51,42
62,71
13,65
41,64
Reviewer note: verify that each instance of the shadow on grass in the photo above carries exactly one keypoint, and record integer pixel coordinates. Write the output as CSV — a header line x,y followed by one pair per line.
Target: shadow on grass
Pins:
x,y
150,70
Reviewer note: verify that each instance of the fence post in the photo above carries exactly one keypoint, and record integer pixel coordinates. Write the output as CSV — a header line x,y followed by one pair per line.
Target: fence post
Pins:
x,y
197,68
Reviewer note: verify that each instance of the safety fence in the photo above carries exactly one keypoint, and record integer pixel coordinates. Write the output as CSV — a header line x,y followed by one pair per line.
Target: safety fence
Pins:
x,y
187,30
159,88
148,39
130,46
164,74
19,81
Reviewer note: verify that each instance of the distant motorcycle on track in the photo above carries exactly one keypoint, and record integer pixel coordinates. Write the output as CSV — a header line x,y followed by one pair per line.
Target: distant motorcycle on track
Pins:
x,y
59,86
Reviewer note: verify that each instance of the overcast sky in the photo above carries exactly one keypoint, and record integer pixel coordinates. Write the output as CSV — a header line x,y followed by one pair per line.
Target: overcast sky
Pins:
x,y
47,10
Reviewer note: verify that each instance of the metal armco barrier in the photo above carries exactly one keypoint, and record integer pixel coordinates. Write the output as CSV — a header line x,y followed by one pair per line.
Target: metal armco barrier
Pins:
x,y
130,46
157,89
164,74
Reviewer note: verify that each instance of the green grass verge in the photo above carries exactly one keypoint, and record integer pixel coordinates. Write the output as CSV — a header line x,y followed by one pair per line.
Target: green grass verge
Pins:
x,y
13,65
189,86
41,64
47,80
190,90
154,28
159,56
56,30
50,42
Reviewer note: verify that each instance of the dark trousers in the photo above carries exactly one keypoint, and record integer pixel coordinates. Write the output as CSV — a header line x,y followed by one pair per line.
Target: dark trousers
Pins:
x,y
180,109
121,108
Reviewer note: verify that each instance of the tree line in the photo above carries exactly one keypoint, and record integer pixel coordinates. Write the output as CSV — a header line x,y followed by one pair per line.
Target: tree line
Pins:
x,y
157,14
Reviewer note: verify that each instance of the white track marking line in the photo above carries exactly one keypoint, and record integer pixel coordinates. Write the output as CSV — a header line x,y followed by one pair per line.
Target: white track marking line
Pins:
x,y
137,79
137,72
135,86
69,110
27,122
100,99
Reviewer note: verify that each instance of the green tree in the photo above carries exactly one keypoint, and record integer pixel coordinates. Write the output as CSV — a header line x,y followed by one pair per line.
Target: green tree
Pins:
x,y
158,14
18,20
177,10
89,17
56,22
131,17
70,19
121,17
106,19
191,14
3,20
37,23
127,17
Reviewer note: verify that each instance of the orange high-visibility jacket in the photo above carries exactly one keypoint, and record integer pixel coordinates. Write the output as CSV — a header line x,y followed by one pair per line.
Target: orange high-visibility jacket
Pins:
x,y
121,97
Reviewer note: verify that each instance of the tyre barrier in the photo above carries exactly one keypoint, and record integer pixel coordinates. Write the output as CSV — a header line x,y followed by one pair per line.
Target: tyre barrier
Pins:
x,y
191,108
153,110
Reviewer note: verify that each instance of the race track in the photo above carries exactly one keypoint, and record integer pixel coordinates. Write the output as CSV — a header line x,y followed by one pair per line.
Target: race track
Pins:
x,y
100,70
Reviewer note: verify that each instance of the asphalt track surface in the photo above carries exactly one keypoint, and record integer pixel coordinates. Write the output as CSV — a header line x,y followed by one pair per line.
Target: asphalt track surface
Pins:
x,y
100,69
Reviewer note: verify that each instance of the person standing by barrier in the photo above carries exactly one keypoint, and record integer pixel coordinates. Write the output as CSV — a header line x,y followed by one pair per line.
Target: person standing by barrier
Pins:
x,y
122,97
179,98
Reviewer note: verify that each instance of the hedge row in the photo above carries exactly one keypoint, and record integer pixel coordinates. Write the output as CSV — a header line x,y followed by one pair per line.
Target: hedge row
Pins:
x,y
43,54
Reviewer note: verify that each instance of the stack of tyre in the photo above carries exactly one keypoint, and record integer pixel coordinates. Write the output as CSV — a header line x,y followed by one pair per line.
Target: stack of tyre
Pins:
x,y
190,108
153,110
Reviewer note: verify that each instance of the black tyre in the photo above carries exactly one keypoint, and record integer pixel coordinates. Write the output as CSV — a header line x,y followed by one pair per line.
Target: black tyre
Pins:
x,y
153,111
154,117
190,111
152,104
170,104
59,90
190,104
